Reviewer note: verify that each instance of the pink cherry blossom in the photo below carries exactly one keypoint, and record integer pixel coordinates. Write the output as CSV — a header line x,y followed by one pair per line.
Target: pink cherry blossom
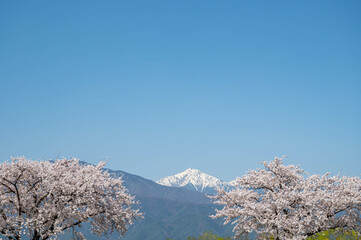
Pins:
x,y
286,203
41,200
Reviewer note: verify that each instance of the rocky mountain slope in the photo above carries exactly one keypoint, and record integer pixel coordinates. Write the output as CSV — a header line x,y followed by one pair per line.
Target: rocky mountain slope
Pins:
x,y
195,180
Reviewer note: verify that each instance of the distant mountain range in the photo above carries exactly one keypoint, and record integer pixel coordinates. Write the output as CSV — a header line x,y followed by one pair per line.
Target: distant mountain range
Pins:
x,y
169,212
195,180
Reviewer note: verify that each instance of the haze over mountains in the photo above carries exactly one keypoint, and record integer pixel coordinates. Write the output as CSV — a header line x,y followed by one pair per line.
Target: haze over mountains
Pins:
x,y
174,212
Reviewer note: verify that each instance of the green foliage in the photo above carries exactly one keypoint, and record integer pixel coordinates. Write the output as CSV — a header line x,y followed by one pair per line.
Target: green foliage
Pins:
x,y
336,235
325,235
208,236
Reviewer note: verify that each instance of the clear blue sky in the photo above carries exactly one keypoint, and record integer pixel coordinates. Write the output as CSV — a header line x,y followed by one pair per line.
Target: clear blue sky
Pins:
x,y
161,86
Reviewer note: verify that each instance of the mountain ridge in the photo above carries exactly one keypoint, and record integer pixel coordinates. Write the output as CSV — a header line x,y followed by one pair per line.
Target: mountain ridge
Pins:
x,y
169,212
196,180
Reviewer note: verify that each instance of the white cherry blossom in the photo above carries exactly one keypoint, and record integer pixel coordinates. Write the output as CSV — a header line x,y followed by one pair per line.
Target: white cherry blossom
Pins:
x,y
286,203
40,200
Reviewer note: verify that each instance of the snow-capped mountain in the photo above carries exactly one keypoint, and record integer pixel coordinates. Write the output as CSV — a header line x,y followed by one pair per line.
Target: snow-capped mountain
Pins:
x,y
194,179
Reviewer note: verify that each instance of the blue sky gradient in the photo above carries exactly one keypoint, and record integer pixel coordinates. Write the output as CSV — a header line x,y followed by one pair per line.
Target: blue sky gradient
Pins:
x,y
157,87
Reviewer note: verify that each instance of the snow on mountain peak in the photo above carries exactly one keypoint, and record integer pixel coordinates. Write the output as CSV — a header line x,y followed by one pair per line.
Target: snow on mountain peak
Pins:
x,y
193,179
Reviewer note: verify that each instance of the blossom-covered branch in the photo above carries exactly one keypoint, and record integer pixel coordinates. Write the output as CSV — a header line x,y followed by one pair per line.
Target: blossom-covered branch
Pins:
x,y
282,202
42,199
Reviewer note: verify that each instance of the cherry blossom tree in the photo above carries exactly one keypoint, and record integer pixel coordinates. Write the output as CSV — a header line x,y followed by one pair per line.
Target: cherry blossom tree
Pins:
x,y
40,200
286,203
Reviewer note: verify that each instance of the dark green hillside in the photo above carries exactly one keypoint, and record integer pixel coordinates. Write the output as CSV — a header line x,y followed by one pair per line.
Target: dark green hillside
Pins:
x,y
177,220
